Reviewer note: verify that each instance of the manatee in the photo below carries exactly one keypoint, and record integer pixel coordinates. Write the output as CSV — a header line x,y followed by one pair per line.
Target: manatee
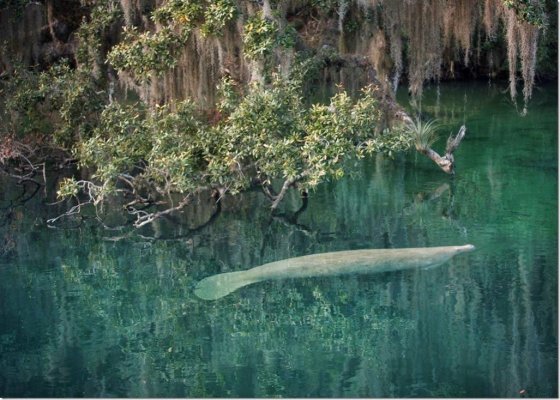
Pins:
x,y
327,264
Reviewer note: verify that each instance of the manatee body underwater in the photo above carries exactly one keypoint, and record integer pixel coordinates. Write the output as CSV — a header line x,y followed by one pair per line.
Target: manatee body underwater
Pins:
x,y
328,264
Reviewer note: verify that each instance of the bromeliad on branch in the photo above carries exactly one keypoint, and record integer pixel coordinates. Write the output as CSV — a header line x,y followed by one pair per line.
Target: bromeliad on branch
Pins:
x,y
424,134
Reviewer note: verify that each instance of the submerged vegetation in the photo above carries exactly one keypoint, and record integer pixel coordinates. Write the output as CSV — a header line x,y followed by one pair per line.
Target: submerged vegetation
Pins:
x,y
161,101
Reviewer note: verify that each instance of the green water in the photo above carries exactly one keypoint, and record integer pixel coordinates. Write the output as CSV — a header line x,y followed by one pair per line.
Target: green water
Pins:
x,y
91,312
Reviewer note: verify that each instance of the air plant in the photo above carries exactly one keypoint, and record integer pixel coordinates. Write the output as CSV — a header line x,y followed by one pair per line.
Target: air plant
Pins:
x,y
424,133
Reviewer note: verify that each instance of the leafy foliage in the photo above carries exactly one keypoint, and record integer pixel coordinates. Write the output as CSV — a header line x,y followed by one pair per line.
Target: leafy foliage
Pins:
x,y
144,53
60,103
392,142
260,35
216,15
532,12
179,148
90,34
268,134
263,134
179,12
118,143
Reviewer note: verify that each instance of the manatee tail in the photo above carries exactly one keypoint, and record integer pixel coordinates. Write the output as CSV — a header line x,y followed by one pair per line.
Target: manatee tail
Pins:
x,y
217,286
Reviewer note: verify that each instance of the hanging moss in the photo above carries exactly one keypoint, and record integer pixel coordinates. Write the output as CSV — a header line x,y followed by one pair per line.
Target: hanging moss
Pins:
x,y
180,48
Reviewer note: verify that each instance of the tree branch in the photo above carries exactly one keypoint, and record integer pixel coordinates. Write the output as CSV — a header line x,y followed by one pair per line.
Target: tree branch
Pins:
x,y
287,184
268,190
143,217
454,142
447,162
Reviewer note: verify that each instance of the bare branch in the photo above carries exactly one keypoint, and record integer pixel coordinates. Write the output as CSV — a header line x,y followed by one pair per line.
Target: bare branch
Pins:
x,y
288,183
445,163
72,211
143,217
87,187
454,142
269,191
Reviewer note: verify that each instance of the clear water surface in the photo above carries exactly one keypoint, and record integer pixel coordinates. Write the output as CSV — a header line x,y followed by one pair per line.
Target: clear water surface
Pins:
x,y
90,312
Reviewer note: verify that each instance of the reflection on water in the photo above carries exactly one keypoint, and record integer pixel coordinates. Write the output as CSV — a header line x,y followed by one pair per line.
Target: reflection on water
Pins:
x,y
85,313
